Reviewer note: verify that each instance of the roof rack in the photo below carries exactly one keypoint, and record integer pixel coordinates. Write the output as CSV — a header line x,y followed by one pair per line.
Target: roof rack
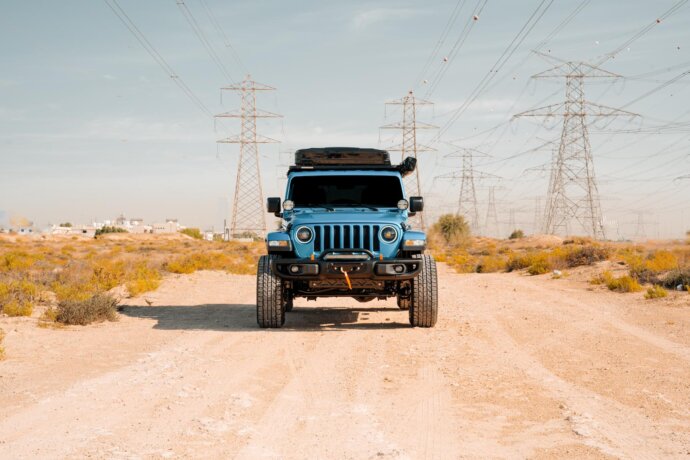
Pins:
x,y
349,158
341,156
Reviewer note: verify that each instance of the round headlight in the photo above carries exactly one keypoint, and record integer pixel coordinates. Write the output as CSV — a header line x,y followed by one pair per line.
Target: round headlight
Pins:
x,y
403,204
288,205
304,234
389,234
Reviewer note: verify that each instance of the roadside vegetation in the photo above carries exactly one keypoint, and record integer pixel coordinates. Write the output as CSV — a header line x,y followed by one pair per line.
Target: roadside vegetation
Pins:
x,y
79,281
636,266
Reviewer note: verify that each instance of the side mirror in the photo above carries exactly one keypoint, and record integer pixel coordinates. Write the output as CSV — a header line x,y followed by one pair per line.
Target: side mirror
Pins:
x,y
273,205
416,204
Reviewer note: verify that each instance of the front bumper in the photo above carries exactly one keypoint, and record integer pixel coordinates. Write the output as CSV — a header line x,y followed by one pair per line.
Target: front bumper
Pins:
x,y
324,269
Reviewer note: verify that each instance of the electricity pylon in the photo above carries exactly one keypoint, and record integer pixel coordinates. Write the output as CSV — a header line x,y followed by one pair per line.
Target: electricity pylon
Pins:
x,y
248,216
409,146
573,194
467,200
640,232
491,223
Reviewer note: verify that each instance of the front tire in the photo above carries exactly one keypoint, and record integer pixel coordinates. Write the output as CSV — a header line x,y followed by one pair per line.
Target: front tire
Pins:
x,y
270,306
424,302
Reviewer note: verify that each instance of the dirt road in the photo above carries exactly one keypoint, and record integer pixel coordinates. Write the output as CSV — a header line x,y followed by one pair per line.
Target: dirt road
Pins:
x,y
517,367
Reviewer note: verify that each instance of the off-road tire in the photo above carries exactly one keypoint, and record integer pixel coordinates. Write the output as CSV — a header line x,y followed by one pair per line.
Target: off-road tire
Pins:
x,y
270,306
424,304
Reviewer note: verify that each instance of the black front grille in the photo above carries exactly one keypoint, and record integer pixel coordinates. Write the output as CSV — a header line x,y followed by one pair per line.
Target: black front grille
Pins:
x,y
346,237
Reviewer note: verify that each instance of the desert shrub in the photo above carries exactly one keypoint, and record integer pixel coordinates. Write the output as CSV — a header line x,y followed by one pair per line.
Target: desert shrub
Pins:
x,y
538,259
687,237
581,240
15,307
655,292
110,229
517,234
17,297
193,232
491,264
539,267
647,269
453,229
677,278
143,279
624,283
107,274
586,255
99,307
18,261
66,224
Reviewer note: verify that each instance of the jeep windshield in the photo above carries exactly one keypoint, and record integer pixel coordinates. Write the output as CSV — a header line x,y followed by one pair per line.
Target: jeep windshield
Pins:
x,y
352,191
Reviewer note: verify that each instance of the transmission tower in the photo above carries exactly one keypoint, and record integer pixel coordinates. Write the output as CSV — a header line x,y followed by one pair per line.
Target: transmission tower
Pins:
x,y
248,216
640,232
409,146
467,200
491,222
573,194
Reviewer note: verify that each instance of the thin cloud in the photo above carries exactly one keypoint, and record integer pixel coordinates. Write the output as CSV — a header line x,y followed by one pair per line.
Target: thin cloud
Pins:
x,y
365,19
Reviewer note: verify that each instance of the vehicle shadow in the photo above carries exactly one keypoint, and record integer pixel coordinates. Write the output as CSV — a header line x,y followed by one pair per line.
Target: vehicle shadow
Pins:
x,y
242,317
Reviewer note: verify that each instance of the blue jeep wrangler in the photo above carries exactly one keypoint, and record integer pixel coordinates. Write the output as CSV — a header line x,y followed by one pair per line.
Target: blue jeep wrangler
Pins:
x,y
345,233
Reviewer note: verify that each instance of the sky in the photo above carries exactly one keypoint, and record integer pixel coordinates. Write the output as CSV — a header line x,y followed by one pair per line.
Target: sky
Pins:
x,y
91,126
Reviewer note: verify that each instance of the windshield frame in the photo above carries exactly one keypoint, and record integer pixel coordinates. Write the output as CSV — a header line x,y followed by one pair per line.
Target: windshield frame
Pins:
x,y
347,174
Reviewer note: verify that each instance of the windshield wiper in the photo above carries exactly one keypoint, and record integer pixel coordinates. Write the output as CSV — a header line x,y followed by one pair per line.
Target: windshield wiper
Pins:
x,y
313,205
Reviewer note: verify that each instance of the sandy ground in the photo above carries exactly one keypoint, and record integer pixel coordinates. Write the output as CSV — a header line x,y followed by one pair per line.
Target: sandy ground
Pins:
x,y
517,367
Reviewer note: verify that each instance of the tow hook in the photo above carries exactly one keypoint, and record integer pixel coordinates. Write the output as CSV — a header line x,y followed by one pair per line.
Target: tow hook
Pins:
x,y
347,277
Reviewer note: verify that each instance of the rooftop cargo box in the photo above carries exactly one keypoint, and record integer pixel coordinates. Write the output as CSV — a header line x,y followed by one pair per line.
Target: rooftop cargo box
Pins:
x,y
341,156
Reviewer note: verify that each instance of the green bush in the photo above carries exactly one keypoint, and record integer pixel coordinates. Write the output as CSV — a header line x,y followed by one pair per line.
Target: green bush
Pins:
x,y
453,228
99,307
193,232
110,229
517,234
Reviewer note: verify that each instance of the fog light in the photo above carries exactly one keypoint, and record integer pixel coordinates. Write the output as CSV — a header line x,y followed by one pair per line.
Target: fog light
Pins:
x,y
294,268
399,268
288,205
403,204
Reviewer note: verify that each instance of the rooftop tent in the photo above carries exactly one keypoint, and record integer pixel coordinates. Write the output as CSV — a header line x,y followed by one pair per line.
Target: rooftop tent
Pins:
x,y
341,156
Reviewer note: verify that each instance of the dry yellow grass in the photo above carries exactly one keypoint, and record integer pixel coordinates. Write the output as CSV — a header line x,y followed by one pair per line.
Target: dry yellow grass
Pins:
x,y
37,271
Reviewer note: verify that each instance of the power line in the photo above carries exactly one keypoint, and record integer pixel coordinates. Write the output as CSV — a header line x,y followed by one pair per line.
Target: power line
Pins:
x,y
469,25
534,18
202,38
441,41
228,46
642,32
151,50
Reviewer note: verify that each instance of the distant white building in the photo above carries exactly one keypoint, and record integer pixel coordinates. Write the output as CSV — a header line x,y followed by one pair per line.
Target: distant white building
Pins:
x,y
88,231
169,226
